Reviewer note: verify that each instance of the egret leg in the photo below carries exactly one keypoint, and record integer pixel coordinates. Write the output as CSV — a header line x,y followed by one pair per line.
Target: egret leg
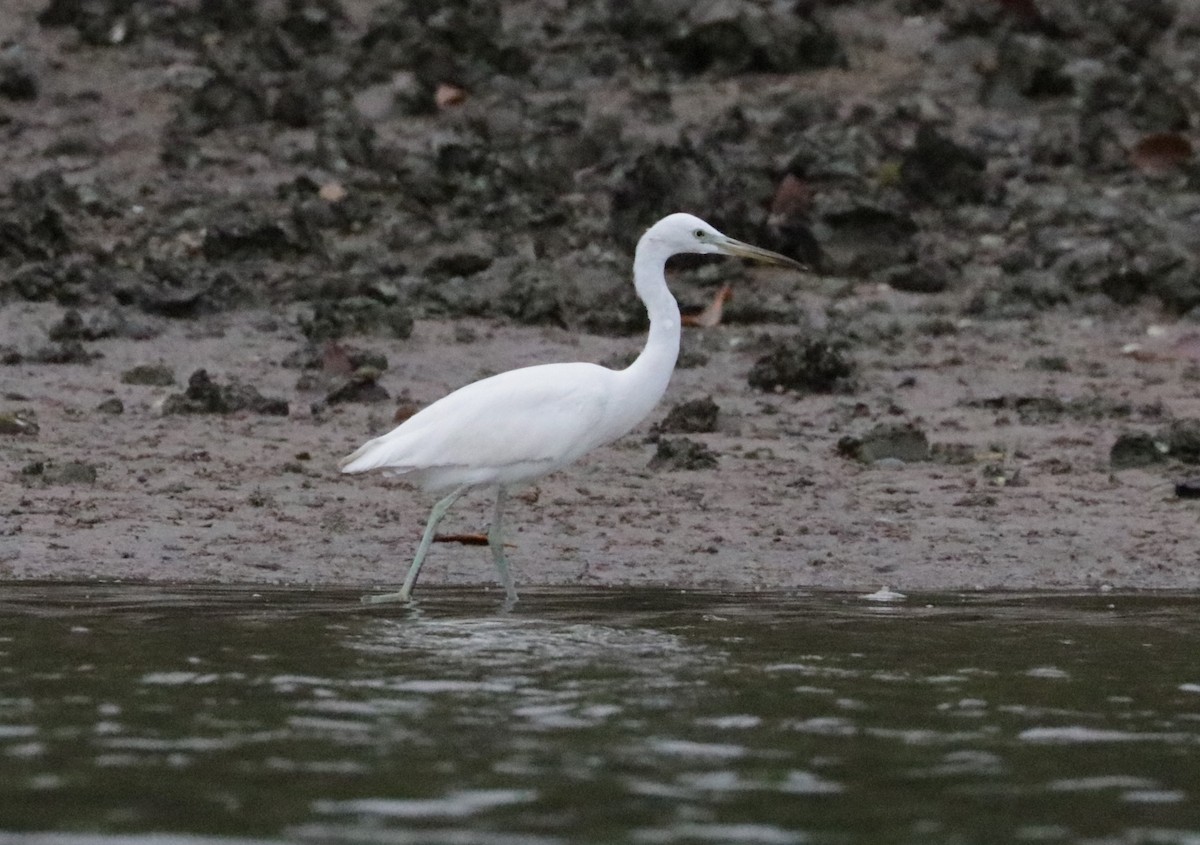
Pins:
x,y
496,543
435,516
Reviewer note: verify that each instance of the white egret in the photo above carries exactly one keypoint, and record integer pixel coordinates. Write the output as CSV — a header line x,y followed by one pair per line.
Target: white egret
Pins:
x,y
517,426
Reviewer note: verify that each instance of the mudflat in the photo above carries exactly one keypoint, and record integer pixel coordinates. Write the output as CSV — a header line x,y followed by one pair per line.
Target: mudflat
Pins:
x,y
236,240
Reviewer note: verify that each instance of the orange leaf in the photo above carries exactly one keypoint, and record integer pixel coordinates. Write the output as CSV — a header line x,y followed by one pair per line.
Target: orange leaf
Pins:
x,y
711,315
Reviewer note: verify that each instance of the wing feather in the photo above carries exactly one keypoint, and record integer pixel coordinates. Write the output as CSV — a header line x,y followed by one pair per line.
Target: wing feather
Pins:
x,y
549,414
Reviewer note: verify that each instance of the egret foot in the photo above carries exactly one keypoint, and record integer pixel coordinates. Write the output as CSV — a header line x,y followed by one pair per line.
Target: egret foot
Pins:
x,y
386,598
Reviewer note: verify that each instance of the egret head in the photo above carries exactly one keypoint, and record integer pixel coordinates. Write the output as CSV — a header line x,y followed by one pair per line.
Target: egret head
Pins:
x,y
687,233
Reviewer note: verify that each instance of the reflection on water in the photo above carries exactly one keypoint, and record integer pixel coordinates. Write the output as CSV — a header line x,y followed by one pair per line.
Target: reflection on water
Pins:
x,y
185,716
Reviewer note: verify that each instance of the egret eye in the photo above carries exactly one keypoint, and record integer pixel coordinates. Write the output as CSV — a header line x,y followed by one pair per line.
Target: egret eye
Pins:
x,y
699,233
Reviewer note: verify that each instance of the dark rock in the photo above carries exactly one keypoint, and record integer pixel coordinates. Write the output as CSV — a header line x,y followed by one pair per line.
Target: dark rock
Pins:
x,y
332,319
862,239
1188,489
17,425
1046,410
680,453
917,277
157,375
697,416
952,454
72,472
899,441
1183,440
64,352
99,22
112,405
1136,449
808,365
17,79
734,37
229,15
1027,65
250,238
204,396
70,327
362,387
937,169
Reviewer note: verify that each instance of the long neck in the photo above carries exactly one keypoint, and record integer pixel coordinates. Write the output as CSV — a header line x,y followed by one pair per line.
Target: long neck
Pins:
x,y
647,376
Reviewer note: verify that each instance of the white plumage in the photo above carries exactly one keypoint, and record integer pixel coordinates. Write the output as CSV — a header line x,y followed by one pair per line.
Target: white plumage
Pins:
x,y
519,425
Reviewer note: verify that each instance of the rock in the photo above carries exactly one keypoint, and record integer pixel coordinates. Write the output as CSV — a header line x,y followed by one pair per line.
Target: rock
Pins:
x,y
697,416
681,453
334,318
1188,489
64,352
112,405
17,425
939,170
863,238
72,472
805,365
157,375
363,387
916,277
895,441
17,78
250,238
1136,449
203,396
1183,441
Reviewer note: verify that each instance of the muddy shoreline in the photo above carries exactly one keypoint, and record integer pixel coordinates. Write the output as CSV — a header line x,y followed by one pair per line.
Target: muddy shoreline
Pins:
x,y
341,210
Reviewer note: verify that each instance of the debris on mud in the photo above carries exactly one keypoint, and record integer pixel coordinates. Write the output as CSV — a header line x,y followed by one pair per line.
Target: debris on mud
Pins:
x,y
154,375
1046,410
361,386
204,396
1134,449
896,441
696,416
71,472
18,424
682,453
1183,440
335,318
805,365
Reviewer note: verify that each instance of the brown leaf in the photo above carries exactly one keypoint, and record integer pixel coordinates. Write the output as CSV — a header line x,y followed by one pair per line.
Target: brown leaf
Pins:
x,y
1160,152
792,197
448,95
711,315
404,411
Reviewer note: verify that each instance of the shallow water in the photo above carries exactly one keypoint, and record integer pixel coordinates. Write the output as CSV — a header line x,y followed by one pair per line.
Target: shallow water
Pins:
x,y
644,716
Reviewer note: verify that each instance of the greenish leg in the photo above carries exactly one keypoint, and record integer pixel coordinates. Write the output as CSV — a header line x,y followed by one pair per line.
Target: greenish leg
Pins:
x,y
496,542
435,516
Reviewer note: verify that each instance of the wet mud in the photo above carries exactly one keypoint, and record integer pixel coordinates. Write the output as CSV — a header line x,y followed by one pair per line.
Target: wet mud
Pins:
x,y
238,238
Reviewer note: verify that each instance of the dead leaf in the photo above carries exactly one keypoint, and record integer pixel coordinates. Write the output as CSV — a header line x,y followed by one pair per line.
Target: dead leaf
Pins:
x,y
332,192
711,315
1160,152
792,197
335,359
404,411
448,95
